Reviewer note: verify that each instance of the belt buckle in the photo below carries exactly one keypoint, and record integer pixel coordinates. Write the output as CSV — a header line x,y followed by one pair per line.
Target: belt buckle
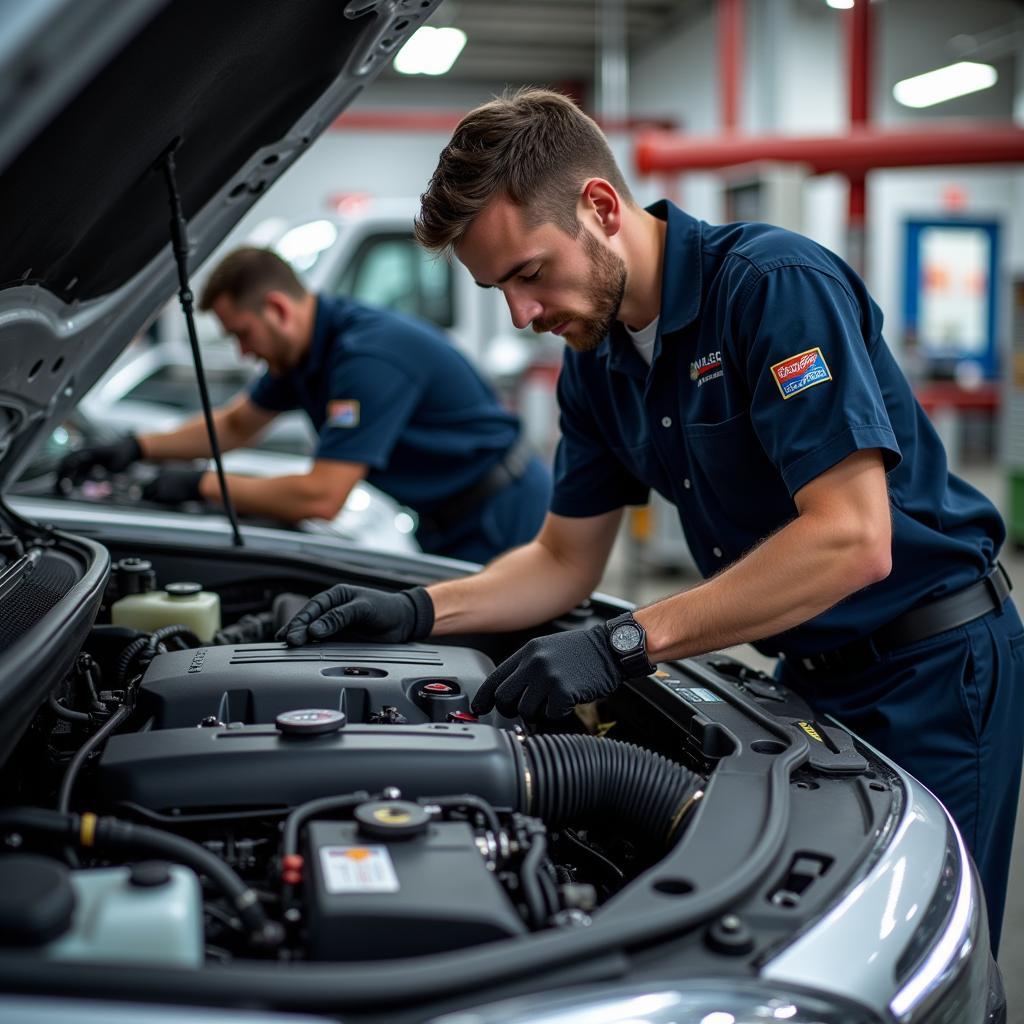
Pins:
x,y
816,662
993,589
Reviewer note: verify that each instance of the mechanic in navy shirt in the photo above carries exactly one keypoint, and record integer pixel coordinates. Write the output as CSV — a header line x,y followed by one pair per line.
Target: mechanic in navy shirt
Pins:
x,y
392,401
741,372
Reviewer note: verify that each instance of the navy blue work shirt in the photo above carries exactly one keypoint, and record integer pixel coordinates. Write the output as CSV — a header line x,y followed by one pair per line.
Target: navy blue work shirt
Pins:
x,y
769,368
392,393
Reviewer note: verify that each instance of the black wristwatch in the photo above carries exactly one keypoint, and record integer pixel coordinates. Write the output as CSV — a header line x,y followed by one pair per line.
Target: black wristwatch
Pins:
x,y
629,645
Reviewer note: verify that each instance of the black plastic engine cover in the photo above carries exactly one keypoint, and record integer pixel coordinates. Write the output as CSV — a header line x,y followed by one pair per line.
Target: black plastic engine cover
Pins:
x,y
372,900
254,683
255,766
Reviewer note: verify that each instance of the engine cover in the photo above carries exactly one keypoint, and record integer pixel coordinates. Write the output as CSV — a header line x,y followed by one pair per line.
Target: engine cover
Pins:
x,y
254,683
256,766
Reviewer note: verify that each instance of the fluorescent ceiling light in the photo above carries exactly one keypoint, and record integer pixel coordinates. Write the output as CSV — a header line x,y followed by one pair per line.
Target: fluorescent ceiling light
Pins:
x,y
430,51
944,84
840,5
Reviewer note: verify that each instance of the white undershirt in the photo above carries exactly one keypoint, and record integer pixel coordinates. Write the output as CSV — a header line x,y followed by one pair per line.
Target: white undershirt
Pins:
x,y
644,339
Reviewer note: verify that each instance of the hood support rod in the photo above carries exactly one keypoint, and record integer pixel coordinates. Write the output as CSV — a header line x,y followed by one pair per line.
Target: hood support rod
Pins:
x,y
179,246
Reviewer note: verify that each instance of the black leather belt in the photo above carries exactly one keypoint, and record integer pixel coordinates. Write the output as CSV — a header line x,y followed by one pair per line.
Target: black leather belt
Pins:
x,y
917,624
454,510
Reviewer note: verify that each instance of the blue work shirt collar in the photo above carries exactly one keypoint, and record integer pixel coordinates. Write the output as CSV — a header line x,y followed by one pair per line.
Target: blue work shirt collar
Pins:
x,y
680,290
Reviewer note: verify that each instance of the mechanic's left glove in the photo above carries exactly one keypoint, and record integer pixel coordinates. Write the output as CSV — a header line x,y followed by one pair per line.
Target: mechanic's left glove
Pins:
x,y
551,674
362,613
174,486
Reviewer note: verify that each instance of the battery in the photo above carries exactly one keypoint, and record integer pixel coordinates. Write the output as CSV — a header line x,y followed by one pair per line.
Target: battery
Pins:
x,y
371,899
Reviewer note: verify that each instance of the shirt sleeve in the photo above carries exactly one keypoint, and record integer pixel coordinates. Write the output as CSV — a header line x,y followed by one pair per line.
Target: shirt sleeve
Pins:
x,y
815,398
589,479
273,393
372,400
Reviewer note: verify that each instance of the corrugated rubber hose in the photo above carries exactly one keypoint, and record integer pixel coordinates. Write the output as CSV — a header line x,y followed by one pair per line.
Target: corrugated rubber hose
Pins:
x,y
576,778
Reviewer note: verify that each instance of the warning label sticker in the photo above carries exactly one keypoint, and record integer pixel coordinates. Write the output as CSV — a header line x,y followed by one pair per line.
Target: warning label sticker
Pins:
x,y
698,694
358,869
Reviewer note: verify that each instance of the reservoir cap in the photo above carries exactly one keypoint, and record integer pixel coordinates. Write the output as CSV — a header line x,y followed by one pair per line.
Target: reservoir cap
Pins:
x,y
310,721
37,901
391,819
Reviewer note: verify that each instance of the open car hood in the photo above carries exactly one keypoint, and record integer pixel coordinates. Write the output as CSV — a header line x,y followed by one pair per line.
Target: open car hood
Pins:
x,y
241,87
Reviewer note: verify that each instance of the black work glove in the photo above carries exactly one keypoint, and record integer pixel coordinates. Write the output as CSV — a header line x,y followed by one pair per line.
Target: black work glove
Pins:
x,y
113,457
551,674
362,614
174,486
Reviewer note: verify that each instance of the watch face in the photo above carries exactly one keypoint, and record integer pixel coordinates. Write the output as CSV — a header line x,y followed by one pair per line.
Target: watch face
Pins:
x,y
625,637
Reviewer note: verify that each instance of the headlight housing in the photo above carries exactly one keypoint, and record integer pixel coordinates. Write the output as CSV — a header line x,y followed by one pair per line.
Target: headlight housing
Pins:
x,y
704,1001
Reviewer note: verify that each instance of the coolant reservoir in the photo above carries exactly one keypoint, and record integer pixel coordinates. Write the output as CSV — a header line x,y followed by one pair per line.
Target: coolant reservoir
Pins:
x,y
186,604
148,913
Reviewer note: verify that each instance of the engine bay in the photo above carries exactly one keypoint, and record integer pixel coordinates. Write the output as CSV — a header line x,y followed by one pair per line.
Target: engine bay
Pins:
x,y
248,802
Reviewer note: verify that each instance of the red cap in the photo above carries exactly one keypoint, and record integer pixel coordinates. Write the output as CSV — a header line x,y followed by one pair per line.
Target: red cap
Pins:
x,y
438,687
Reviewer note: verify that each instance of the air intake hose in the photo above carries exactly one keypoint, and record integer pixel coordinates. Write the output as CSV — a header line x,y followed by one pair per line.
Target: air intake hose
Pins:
x,y
575,778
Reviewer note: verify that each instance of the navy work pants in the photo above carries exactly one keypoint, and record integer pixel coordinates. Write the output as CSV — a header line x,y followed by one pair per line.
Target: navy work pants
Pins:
x,y
950,711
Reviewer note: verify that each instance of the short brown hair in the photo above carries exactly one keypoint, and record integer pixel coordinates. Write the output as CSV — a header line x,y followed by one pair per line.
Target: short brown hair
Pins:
x,y
246,275
533,146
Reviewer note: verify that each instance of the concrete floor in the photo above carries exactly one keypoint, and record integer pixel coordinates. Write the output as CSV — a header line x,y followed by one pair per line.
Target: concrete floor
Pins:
x,y
645,587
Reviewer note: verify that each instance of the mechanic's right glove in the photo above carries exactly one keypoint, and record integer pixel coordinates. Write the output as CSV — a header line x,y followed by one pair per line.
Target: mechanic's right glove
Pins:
x,y
362,614
113,457
549,675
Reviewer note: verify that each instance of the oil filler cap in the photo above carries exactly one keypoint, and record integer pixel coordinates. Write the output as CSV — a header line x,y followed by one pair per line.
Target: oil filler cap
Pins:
x,y
310,721
391,819
443,689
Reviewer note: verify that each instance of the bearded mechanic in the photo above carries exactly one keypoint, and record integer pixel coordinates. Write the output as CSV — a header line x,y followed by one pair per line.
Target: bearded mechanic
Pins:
x,y
741,372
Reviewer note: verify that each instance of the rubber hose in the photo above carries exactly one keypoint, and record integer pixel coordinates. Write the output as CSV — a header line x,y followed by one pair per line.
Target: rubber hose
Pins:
x,y
301,814
150,645
113,834
581,777
464,800
128,656
529,877
68,782
158,636
66,713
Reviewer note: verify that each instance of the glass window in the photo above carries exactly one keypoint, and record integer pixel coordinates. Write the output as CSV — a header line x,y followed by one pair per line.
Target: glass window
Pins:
x,y
393,272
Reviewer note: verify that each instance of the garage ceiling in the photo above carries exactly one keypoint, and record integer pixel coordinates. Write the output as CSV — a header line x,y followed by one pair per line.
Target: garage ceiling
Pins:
x,y
543,41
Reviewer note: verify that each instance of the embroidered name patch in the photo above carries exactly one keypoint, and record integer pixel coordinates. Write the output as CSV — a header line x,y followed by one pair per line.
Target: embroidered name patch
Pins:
x,y
800,372
343,412
706,368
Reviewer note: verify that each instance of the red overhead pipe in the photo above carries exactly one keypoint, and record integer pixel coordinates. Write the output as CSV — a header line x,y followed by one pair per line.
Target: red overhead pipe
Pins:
x,y
853,154
730,49
859,46
858,21
444,121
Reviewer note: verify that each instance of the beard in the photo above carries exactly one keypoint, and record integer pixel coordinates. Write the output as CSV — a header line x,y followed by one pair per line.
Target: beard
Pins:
x,y
280,356
605,289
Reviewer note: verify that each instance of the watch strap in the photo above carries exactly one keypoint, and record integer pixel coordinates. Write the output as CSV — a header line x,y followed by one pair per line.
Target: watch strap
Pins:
x,y
631,663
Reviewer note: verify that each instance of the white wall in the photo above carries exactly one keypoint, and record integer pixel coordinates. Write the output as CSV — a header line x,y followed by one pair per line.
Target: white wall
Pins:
x,y
795,83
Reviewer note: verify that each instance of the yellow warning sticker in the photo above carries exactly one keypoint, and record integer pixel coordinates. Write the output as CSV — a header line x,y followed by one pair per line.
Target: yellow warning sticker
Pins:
x,y
811,731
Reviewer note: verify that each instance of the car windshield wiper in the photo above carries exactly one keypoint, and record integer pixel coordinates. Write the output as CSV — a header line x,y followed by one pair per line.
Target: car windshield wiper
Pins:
x,y
179,246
